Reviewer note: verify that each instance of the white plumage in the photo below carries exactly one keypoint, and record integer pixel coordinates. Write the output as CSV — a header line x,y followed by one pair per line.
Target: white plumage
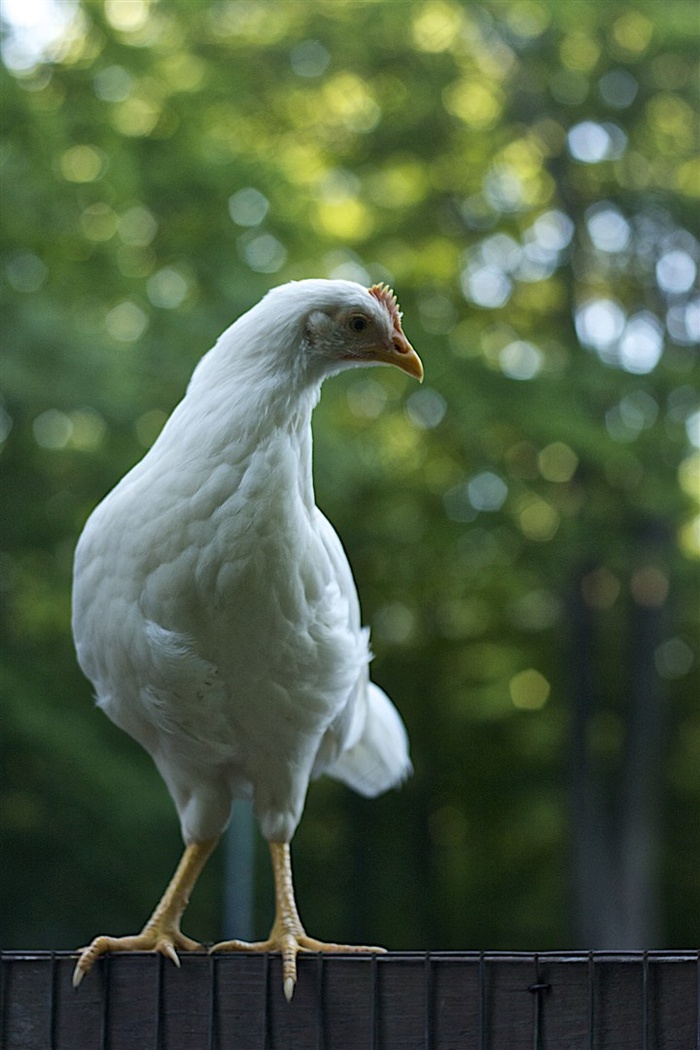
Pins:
x,y
214,609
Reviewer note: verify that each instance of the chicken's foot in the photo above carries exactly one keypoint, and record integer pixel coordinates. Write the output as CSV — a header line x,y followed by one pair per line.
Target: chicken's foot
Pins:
x,y
287,934
162,931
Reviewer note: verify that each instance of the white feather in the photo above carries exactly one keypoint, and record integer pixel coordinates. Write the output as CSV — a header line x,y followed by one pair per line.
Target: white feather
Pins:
x,y
213,605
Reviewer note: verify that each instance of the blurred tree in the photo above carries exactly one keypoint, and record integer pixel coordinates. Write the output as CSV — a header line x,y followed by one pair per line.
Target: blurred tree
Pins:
x,y
524,528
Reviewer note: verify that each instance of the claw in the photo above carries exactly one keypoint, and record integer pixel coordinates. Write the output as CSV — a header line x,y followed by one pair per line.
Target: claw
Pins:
x,y
287,935
87,957
166,948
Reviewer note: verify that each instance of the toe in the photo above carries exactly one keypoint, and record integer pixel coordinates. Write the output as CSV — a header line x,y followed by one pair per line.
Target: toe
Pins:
x,y
289,947
167,941
243,946
87,957
310,944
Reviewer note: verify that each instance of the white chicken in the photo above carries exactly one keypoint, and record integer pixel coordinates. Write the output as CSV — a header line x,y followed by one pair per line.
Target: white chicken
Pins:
x,y
214,609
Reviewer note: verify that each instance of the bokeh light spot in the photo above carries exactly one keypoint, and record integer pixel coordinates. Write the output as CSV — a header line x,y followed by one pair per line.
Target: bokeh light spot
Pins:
x,y
529,690
607,227
310,59
168,288
98,222
487,491
52,429
126,322
674,658
473,102
676,271
618,88
26,272
557,462
486,286
248,207
520,360
394,623
83,164
633,31
137,226
426,408
590,142
599,325
128,16
264,253
345,218
650,587
112,84
641,344
436,26
538,519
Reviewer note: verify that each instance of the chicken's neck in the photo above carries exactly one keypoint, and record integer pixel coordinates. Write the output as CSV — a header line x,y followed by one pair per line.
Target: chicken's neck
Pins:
x,y
244,424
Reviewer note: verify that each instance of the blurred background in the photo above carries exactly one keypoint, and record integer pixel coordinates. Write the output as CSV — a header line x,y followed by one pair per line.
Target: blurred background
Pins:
x,y
524,527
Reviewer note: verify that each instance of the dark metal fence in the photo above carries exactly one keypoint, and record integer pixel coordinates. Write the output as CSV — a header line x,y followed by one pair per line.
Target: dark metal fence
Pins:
x,y
411,1001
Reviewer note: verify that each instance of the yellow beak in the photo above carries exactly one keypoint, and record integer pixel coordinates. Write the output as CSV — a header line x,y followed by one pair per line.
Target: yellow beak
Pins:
x,y
401,354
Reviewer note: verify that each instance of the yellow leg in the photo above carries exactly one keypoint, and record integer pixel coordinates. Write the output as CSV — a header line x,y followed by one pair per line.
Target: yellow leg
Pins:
x,y
287,934
162,931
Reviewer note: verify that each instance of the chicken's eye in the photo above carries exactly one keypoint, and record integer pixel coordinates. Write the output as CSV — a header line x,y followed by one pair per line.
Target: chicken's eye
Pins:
x,y
357,323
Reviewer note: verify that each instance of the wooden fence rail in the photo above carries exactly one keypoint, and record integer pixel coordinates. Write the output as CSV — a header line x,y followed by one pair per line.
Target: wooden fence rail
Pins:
x,y
399,1001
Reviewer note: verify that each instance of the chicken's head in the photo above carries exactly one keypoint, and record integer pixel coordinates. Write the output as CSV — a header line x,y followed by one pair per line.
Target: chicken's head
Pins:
x,y
359,326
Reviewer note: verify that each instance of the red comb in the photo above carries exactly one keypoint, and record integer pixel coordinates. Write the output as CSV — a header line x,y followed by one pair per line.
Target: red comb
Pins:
x,y
384,295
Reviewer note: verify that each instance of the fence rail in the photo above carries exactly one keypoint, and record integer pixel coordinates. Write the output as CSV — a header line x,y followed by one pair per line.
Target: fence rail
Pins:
x,y
399,1001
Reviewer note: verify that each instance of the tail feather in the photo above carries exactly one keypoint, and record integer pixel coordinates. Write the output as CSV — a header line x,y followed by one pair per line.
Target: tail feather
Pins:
x,y
379,760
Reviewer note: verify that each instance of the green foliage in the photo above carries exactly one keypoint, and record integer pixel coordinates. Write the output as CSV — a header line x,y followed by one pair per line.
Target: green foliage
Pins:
x,y
524,173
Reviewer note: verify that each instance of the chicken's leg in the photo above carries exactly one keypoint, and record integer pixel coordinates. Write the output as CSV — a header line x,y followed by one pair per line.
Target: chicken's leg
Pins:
x,y
287,934
162,931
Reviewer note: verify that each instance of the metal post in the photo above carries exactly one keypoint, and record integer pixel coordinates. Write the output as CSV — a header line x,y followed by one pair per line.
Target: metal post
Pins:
x,y
239,874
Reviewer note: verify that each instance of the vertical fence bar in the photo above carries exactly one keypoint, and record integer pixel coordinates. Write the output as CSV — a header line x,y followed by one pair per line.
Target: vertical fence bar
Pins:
x,y
213,1002
158,997
52,1003
536,1037
591,1001
4,1002
645,1001
428,993
697,1035
482,1002
536,989
375,1001
321,1000
267,1041
105,973
539,989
